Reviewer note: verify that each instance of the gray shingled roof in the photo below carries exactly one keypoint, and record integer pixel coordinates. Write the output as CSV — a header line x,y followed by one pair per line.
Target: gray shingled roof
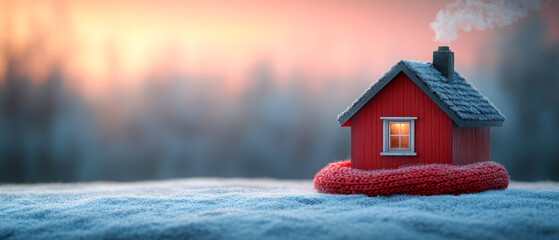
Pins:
x,y
459,100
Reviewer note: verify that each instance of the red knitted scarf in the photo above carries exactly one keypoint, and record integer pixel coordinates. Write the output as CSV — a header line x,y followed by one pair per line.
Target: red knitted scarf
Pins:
x,y
430,179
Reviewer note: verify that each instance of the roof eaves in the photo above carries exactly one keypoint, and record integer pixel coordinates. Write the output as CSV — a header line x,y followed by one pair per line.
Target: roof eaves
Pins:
x,y
473,123
403,67
363,99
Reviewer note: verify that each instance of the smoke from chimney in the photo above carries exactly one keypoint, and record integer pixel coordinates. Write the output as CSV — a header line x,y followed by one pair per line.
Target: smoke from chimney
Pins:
x,y
478,14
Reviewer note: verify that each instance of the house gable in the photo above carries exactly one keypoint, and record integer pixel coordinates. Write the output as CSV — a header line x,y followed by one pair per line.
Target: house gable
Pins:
x,y
400,98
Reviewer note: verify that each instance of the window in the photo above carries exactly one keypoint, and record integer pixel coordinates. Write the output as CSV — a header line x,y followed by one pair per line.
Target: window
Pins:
x,y
398,136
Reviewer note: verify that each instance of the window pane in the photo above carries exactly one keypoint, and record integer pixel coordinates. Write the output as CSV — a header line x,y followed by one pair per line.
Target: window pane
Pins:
x,y
405,142
394,129
405,129
394,142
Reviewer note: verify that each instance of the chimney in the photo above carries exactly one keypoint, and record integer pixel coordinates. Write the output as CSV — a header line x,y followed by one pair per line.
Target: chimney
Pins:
x,y
443,60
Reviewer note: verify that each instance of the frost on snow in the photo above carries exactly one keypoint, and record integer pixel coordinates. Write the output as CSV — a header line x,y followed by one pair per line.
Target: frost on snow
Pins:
x,y
266,209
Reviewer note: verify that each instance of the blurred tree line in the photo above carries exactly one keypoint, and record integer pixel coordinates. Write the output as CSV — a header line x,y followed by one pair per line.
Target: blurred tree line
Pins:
x,y
187,126
528,77
180,126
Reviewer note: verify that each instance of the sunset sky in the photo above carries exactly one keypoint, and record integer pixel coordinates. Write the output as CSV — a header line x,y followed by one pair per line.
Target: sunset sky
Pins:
x,y
96,42
238,88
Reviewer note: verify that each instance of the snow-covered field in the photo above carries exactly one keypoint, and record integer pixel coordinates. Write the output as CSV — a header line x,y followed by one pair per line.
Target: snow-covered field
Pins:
x,y
269,209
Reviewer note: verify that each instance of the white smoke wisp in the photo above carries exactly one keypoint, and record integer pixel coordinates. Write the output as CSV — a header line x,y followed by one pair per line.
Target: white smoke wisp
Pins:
x,y
478,14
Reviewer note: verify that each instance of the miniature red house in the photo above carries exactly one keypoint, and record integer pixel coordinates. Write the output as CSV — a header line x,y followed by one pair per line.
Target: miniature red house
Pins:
x,y
420,113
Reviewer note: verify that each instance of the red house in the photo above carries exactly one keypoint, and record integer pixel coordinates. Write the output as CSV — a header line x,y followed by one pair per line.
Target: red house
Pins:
x,y
420,113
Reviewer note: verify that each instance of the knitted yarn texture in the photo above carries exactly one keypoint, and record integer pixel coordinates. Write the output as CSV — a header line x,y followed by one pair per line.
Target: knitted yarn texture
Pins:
x,y
429,179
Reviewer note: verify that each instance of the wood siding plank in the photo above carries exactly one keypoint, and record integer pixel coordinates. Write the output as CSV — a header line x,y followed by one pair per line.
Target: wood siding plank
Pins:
x,y
470,145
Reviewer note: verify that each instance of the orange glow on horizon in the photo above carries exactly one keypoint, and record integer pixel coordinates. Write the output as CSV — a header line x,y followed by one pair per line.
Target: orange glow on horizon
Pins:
x,y
100,42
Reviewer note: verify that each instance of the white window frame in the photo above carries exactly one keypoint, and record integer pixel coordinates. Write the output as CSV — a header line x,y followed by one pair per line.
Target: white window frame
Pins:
x,y
386,136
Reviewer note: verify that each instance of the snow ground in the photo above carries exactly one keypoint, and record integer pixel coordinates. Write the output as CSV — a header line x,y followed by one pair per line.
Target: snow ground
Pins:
x,y
269,209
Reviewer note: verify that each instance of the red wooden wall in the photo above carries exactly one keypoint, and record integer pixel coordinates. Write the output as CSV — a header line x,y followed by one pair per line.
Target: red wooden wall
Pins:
x,y
401,98
470,145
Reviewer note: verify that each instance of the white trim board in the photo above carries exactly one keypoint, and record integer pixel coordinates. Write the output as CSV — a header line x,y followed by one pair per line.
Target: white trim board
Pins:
x,y
398,118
